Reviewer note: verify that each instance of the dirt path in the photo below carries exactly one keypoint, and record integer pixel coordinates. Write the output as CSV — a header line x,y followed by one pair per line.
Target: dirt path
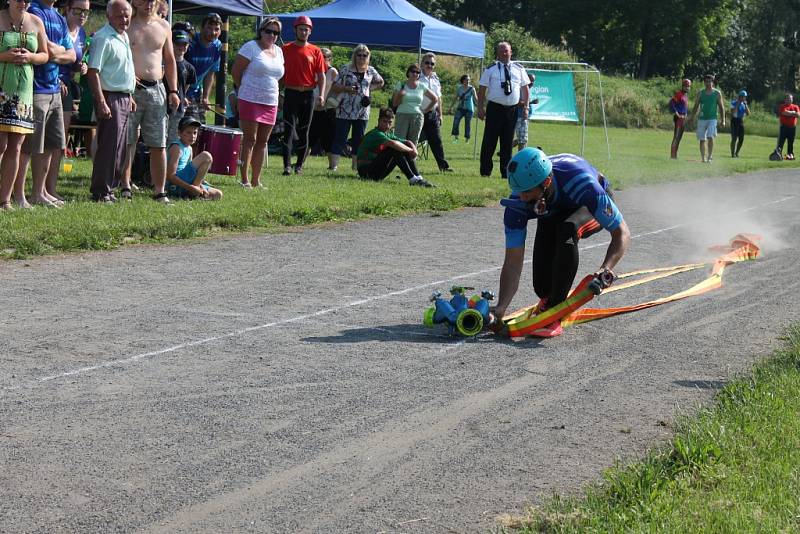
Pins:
x,y
284,383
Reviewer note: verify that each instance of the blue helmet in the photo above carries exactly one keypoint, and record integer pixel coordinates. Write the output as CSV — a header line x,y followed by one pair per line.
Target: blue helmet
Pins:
x,y
528,169
742,93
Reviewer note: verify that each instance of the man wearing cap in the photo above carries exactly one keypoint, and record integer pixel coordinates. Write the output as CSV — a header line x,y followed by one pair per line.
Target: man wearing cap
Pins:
x,y
709,102
679,106
571,200
186,79
156,92
739,109
304,71
204,55
505,85
112,80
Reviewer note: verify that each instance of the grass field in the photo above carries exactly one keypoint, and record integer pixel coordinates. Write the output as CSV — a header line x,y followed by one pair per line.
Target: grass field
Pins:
x,y
637,157
732,468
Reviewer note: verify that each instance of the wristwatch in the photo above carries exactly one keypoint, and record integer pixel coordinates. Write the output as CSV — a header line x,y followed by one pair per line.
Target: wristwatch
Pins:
x,y
171,91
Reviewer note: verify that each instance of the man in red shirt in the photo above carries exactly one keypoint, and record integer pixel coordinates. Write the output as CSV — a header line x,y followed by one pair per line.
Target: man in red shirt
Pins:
x,y
787,114
305,71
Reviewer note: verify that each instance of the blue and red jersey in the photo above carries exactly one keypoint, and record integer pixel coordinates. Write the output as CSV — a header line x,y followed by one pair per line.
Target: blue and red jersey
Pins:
x,y
679,103
576,184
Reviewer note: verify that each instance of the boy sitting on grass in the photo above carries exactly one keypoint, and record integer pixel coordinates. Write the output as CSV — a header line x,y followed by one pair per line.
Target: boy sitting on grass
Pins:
x,y
185,175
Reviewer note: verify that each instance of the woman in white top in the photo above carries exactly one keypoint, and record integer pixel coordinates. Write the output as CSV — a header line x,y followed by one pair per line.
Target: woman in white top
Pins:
x,y
323,125
256,71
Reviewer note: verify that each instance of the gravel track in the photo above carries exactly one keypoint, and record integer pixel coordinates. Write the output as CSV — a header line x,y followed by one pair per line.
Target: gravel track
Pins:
x,y
277,383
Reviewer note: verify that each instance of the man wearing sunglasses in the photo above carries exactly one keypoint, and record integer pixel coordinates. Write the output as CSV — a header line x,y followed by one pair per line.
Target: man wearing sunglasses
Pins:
x,y
48,139
432,123
305,71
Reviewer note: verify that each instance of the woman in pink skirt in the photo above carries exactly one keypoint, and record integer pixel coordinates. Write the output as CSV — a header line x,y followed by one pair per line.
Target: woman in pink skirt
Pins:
x,y
256,71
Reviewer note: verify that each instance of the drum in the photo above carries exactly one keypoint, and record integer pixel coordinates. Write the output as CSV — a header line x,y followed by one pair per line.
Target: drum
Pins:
x,y
224,145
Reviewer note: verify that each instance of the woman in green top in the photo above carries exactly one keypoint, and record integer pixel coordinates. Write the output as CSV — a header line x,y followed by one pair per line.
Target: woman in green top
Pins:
x,y
407,98
23,44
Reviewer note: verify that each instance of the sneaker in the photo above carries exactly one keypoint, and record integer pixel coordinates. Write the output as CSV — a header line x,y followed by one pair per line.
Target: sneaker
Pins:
x,y
448,169
161,198
455,140
551,330
709,159
287,171
103,200
420,181
790,157
298,169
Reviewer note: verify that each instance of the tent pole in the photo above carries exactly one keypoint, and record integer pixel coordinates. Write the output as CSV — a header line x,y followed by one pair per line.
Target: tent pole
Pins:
x,y
477,127
603,109
169,12
222,75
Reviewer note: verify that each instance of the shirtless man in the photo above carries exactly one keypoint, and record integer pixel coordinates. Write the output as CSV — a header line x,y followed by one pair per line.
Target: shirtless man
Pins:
x,y
151,45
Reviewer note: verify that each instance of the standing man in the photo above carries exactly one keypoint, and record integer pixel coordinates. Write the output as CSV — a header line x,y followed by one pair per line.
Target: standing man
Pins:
x,y
709,102
305,71
432,122
679,106
112,80
151,46
739,109
49,138
571,201
505,85
204,53
788,112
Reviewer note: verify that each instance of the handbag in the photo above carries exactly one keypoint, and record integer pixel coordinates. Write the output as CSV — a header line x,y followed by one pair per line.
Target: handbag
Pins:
x,y
333,101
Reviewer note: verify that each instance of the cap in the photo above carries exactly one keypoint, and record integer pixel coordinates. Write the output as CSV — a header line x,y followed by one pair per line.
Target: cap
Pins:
x,y
180,36
302,19
742,93
183,25
527,169
188,121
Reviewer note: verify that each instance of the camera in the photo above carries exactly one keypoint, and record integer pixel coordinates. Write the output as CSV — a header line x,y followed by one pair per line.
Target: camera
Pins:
x,y
506,86
365,101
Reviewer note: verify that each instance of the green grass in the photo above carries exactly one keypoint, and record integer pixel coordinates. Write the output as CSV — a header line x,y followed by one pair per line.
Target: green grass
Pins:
x,y
638,157
734,467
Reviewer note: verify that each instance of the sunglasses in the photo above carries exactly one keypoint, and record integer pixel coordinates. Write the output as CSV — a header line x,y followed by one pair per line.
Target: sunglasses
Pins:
x,y
80,12
414,72
431,63
276,33
23,1
362,55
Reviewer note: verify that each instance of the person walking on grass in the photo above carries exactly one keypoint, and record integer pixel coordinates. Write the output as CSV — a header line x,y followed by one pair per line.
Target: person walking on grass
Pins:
x,y
679,106
709,103
571,201
739,109
305,70
466,98
112,80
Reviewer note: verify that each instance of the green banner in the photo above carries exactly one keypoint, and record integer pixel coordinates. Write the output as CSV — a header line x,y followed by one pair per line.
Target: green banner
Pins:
x,y
556,94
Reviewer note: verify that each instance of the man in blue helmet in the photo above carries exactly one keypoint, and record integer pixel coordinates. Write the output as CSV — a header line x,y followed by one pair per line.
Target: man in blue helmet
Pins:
x,y
571,201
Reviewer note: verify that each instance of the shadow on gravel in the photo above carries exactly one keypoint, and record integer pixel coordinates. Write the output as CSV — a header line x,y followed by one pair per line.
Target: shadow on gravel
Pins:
x,y
701,384
415,333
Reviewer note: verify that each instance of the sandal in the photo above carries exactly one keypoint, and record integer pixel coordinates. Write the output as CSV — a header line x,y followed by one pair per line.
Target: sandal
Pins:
x,y
161,198
125,194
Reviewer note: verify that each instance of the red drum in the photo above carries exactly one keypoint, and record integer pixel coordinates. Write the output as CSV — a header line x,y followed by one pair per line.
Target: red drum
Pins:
x,y
224,145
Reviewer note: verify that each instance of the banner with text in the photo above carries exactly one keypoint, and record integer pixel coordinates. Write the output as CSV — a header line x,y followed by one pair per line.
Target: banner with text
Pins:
x,y
556,94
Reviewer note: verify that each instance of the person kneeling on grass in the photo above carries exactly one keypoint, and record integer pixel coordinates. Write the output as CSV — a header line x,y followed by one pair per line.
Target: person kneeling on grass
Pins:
x,y
381,151
185,174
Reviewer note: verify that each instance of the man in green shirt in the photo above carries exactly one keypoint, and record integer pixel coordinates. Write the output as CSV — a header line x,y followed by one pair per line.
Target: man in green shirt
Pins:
x,y
709,102
381,151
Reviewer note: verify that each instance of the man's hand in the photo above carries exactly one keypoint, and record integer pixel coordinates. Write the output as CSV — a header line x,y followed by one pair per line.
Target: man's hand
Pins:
x,y
320,101
103,111
133,105
64,89
205,104
496,323
174,101
481,114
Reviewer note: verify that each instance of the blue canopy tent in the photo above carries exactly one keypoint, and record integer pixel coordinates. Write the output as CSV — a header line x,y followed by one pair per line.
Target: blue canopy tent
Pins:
x,y
387,24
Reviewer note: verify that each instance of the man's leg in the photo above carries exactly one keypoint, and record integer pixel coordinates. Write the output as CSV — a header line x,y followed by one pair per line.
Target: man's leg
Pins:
x,y
507,138
790,140
703,150
710,148
434,134
305,115
158,169
734,136
740,141
201,163
290,110
154,135
381,166
491,133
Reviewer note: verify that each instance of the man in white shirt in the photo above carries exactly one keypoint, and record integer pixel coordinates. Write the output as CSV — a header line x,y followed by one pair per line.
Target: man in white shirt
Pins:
x,y
505,85
433,112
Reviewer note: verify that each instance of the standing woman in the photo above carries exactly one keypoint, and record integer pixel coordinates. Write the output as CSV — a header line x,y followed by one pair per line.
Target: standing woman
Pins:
x,y
23,43
256,71
323,124
466,97
354,84
739,109
77,13
407,98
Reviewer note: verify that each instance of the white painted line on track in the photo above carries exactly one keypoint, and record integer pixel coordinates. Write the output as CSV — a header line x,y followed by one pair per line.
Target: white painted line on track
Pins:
x,y
319,313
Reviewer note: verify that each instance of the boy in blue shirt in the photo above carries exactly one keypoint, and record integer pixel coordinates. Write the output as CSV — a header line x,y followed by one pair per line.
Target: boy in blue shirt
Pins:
x,y
186,174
